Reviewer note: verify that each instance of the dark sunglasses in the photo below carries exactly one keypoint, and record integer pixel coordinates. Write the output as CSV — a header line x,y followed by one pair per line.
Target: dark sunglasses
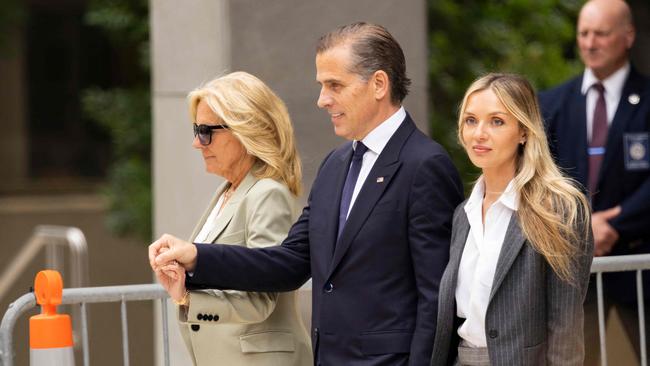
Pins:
x,y
204,132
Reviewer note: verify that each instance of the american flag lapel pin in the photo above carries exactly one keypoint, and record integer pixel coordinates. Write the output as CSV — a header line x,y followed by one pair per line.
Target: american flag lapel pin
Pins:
x,y
380,179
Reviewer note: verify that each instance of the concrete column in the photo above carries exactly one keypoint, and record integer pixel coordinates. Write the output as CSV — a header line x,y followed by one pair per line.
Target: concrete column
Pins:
x,y
275,40
190,44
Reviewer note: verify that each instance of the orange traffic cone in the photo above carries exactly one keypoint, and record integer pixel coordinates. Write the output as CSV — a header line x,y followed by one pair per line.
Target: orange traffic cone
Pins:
x,y
50,334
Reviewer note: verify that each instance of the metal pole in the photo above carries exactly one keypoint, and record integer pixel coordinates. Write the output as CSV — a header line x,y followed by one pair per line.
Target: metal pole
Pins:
x,y
601,319
15,310
165,327
641,305
125,334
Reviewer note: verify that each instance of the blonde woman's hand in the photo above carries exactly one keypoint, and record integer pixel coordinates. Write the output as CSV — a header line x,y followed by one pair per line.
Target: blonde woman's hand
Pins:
x,y
169,248
171,276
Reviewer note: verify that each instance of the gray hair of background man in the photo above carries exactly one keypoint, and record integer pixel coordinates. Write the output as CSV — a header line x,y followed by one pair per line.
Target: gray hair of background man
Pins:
x,y
373,48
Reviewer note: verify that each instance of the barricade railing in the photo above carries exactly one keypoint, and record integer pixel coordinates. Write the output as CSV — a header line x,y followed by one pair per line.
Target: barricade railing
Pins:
x,y
82,297
621,263
54,239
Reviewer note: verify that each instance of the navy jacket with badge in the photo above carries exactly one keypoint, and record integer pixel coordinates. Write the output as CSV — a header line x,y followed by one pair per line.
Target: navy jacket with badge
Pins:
x,y
625,171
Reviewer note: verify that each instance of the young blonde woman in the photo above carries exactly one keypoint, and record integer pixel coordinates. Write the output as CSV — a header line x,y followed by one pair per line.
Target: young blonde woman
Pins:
x,y
244,134
521,246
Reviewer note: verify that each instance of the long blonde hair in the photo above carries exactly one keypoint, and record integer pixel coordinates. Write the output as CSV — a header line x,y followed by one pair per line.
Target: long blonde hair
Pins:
x,y
259,119
553,212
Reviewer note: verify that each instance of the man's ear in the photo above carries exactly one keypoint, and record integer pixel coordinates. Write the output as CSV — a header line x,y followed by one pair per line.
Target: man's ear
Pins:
x,y
629,37
380,84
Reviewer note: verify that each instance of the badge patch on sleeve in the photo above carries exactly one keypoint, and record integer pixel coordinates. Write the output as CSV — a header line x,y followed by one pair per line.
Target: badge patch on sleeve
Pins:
x,y
637,151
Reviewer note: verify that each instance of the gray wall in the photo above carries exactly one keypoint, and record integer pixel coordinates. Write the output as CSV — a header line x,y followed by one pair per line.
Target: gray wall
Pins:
x,y
201,39
277,43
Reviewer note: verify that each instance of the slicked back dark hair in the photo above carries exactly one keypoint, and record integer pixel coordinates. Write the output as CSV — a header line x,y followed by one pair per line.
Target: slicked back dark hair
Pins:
x,y
373,48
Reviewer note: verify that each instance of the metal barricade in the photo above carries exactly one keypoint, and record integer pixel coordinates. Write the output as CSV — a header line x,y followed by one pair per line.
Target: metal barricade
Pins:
x,y
82,297
621,263
53,238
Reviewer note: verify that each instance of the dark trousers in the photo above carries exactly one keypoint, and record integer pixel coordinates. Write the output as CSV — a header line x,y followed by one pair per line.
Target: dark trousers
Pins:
x,y
628,313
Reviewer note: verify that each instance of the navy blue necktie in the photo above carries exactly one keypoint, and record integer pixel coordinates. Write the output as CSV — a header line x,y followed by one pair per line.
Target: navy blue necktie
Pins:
x,y
350,182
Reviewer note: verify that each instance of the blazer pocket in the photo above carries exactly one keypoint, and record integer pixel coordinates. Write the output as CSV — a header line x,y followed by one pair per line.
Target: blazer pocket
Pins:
x,y
272,341
535,355
232,238
377,343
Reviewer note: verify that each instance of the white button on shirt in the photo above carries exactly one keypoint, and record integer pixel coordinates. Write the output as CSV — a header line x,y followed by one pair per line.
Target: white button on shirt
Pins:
x,y
479,260
375,141
613,90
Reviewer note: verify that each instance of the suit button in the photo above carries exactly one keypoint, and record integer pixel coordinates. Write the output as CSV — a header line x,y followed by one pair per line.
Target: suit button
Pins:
x,y
315,331
200,316
216,318
196,327
329,287
209,317
493,333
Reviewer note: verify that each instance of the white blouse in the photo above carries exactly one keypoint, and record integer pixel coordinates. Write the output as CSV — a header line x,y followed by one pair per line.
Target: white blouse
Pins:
x,y
479,260
209,222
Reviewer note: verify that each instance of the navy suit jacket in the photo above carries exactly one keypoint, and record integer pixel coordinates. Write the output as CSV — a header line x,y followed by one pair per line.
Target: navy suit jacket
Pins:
x,y
564,112
375,289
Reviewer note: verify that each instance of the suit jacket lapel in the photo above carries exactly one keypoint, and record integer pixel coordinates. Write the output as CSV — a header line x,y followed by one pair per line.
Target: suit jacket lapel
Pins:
x,y
337,191
230,207
386,167
512,244
222,187
578,131
623,115
459,239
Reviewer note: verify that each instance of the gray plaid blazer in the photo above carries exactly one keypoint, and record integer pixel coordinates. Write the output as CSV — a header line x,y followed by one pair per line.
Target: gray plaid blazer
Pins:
x,y
533,317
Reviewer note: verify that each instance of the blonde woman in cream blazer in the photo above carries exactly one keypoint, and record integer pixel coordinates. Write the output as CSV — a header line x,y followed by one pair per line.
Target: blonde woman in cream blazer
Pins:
x,y
244,134
247,328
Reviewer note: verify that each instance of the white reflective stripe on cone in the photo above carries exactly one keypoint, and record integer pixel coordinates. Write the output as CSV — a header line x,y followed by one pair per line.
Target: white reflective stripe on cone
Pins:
x,y
51,357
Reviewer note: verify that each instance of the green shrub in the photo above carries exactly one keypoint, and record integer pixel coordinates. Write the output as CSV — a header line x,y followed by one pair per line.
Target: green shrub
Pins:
x,y
467,38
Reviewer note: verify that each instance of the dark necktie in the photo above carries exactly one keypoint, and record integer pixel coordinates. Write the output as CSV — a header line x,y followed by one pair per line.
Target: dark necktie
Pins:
x,y
350,182
598,138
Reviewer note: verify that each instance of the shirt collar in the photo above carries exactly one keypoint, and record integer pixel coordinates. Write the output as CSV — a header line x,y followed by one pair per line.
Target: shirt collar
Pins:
x,y
613,84
377,139
509,197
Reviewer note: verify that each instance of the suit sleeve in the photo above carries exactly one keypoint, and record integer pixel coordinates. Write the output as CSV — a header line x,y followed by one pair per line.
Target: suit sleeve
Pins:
x,y
281,268
435,193
268,220
565,311
632,223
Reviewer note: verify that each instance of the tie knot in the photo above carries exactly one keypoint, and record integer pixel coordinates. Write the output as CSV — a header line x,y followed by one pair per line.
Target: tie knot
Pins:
x,y
359,150
599,87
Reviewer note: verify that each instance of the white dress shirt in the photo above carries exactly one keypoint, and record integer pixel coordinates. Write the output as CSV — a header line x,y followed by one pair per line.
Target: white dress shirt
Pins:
x,y
613,90
209,222
479,260
375,141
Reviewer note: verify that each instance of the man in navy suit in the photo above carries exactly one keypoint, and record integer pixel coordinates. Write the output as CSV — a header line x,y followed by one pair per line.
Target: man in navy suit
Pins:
x,y
375,233
598,126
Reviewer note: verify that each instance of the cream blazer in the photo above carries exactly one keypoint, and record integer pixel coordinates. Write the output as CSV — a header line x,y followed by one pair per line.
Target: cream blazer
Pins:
x,y
247,328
